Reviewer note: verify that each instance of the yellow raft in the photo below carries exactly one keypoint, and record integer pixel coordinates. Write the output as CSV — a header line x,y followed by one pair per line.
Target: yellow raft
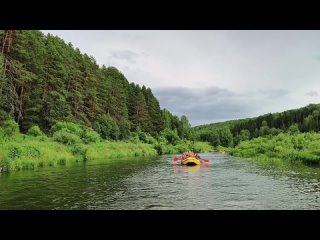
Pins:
x,y
191,161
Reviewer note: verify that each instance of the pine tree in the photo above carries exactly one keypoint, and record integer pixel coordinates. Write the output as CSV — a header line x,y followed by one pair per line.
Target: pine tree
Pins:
x,y
116,103
140,115
55,107
155,121
43,80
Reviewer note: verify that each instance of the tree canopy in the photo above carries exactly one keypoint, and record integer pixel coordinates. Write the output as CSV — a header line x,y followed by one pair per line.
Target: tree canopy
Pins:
x,y
43,81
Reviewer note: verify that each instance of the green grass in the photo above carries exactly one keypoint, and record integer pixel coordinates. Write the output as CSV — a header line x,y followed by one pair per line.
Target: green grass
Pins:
x,y
298,148
26,152
106,150
20,151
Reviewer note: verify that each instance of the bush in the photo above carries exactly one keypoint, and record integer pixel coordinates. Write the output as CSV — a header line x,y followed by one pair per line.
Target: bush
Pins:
x,y
68,132
134,138
170,135
146,138
80,151
107,127
9,128
14,152
35,131
31,152
90,136
64,137
159,148
150,139
293,129
69,127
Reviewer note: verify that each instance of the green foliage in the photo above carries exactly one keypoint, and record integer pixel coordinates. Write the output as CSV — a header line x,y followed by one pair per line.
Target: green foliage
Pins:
x,y
8,129
294,129
90,136
107,127
35,131
297,147
80,152
117,150
225,136
306,119
184,129
70,133
44,81
214,138
65,137
124,129
69,127
170,135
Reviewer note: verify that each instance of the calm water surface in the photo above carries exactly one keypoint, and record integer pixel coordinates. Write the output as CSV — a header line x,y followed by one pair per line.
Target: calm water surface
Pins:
x,y
224,183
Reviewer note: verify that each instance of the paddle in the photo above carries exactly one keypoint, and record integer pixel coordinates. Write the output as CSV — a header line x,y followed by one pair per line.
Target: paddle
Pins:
x,y
204,160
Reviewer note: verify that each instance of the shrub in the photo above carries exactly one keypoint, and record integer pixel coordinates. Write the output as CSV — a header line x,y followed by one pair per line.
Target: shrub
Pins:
x,y
68,127
35,131
64,137
159,148
90,136
134,138
107,127
31,152
14,152
9,128
293,129
170,135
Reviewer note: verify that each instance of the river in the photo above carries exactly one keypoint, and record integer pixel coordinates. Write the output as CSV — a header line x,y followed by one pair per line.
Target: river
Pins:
x,y
224,183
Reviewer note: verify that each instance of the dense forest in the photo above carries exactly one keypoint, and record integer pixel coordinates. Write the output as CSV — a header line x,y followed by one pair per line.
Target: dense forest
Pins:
x,y
231,133
43,81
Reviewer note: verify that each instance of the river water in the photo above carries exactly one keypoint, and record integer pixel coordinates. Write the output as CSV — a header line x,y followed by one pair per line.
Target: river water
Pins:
x,y
224,183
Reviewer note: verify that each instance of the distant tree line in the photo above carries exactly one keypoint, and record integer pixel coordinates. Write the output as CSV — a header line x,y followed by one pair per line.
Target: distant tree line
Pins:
x,y
231,133
44,81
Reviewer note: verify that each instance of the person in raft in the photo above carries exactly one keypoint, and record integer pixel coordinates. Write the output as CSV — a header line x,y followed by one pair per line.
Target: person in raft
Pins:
x,y
185,155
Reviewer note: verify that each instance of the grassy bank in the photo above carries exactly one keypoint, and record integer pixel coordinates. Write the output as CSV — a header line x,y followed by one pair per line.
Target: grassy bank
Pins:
x,y
70,143
26,152
294,148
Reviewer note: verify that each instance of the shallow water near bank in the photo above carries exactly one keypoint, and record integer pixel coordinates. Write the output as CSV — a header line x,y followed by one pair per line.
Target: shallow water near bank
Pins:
x,y
225,183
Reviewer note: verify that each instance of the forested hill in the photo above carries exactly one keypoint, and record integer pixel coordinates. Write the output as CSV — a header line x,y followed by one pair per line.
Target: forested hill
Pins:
x,y
230,133
43,80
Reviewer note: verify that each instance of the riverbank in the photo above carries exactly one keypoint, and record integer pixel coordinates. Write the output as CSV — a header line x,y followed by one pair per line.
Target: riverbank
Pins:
x,y
294,148
27,152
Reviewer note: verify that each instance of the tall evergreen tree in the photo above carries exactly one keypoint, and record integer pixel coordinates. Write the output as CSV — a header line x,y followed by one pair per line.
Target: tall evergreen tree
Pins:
x,y
43,80
155,122
55,107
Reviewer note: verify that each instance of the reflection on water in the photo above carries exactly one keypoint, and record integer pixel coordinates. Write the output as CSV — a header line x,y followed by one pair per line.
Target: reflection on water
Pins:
x,y
223,183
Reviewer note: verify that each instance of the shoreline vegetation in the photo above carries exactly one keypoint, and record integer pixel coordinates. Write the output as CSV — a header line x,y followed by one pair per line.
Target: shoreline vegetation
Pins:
x,y
293,148
70,143
292,136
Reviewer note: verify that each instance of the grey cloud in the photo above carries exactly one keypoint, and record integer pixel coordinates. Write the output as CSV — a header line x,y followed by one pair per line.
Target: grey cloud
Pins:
x,y
125,55
204,105
216,104
272,93
312,94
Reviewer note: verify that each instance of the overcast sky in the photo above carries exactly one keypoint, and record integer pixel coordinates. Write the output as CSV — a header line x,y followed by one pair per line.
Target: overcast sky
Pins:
x,y
213,76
